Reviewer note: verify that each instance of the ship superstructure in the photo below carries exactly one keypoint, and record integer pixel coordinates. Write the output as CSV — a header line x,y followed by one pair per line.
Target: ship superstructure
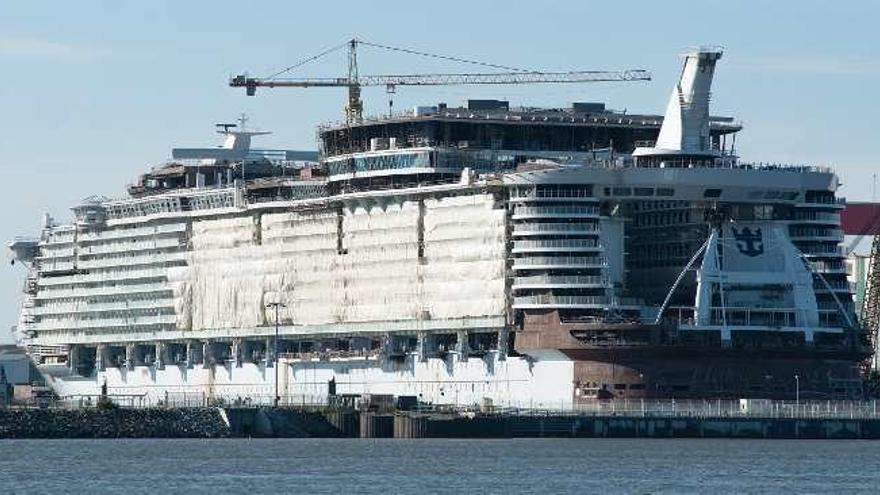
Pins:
x,y
526,256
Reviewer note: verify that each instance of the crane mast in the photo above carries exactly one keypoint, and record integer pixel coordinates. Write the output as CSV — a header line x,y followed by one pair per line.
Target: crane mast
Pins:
x,y
355,108
354,82
871,306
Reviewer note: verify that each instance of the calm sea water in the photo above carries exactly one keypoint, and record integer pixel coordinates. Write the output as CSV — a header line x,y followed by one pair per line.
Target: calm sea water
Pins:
x,y
439,466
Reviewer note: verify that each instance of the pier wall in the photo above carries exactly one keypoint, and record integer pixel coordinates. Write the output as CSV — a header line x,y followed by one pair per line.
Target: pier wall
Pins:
x,y
366,424
284,422
420,426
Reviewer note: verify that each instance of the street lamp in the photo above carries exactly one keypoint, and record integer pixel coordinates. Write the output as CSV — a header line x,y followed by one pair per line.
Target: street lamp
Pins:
x,y
797,390
276,305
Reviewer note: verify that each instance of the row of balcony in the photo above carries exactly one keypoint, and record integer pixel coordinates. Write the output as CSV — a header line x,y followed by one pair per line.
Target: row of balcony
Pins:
x,y
102,323
561,282
809,216
105,277
82,307
114,290
165,255
816,233
133,245
825,200
55,252
582,302
551,262
552,245
821,250
761,317
131,233
828,266
521,212
547,192
530,229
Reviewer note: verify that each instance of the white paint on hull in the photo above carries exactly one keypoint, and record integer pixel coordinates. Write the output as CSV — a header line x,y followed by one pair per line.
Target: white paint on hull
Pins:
x,y
545,381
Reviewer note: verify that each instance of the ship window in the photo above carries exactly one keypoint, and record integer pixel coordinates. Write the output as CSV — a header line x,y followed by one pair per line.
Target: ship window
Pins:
x,y
607,191
643,191
619,386
790,196
664,191
712,193
622,191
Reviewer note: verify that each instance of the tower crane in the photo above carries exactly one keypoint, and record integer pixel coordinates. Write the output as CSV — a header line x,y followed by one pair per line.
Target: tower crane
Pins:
x,y
354,82
870,313
871,305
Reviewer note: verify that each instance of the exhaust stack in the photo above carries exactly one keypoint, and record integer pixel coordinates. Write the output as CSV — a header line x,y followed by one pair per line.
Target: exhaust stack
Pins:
x,y
685,129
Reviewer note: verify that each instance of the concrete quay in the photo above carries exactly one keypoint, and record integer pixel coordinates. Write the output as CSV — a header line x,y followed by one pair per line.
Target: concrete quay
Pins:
x,y
284,422
317,422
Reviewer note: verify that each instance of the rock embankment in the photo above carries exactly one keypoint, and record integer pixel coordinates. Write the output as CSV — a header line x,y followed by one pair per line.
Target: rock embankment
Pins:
x,y
114,423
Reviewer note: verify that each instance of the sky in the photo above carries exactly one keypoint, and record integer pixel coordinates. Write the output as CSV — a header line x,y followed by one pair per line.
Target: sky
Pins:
x,y
92,93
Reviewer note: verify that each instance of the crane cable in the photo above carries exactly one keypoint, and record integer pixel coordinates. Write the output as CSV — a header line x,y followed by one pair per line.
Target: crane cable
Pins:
x,y
396,49
443,57
309,59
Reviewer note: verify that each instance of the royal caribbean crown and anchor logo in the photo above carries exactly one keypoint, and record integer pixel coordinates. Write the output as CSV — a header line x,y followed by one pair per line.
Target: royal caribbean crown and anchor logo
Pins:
x,y
749,242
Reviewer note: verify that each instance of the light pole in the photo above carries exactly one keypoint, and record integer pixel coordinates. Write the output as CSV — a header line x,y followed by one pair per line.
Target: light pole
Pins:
x,y
797,390
276,305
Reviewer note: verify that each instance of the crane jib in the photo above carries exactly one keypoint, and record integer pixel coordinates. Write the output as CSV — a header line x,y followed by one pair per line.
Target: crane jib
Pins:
x,y
448,79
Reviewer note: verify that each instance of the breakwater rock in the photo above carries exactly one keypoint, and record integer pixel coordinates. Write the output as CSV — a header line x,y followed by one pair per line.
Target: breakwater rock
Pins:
x,y
114,423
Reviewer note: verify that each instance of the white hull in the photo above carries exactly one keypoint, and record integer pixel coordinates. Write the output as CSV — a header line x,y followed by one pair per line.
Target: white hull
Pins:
x,y
545,382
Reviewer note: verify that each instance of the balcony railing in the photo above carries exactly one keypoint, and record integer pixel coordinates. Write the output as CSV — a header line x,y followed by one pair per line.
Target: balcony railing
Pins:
x,y
107,235
552,300
543,245
546,281
115,276
102,323
123,260
828,266
52,293
127,246
532,262
821,250
555,212
546,228
816,216
552,193
69,308
815,232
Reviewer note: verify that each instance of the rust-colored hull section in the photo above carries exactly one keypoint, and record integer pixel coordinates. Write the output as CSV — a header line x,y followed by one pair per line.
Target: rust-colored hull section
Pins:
x,y
628,360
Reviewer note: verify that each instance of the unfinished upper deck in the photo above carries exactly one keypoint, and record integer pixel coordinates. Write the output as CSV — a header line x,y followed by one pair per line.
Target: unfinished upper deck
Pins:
x,y
493,124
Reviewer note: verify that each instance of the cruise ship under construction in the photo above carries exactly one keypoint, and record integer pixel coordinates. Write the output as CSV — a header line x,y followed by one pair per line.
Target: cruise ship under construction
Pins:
x,y
461,255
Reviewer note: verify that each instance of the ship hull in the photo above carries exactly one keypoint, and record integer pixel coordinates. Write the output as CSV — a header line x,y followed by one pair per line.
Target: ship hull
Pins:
x,y
543,382
547,379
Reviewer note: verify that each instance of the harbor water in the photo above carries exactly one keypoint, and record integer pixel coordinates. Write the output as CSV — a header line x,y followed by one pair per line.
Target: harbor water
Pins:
x,y
439,466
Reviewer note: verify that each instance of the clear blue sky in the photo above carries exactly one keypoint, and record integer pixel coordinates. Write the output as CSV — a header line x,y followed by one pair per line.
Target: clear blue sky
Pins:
x,y
94,92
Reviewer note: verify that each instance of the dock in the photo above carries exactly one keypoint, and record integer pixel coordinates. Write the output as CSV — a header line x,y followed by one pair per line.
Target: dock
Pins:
x,y
667,419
